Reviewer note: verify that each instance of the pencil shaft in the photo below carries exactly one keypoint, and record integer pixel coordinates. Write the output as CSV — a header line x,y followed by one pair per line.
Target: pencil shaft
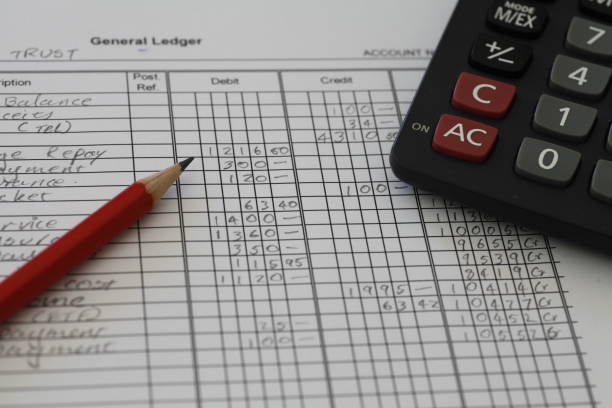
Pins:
x,y
19,288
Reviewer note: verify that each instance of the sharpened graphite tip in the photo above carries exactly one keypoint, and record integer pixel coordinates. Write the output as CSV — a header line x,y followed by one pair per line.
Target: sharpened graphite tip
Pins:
x,y
185,163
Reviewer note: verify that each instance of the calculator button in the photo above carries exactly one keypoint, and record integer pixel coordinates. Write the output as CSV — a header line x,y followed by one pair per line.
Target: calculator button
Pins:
x,y
500,55
567,120
517,17
609,139
588,37
601,183
463,138
546,162
482,96
579,77
602,8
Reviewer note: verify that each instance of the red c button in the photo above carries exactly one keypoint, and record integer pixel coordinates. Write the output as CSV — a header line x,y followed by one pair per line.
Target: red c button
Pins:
x,y
483,96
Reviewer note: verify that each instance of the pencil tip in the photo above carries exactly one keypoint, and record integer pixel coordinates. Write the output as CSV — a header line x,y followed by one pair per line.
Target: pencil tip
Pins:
x,y
185,163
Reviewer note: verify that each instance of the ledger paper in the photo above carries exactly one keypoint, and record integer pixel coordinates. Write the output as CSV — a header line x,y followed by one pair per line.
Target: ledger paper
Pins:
x,y
288,266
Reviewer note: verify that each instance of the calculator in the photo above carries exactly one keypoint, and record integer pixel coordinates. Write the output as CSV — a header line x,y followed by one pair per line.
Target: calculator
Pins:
x,y
513,116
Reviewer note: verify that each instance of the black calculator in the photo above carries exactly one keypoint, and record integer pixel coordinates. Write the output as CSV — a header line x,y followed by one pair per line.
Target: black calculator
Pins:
x,y
513,115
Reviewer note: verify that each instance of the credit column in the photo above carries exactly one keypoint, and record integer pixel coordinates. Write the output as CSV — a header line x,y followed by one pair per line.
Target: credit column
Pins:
x,y
380,309
167,296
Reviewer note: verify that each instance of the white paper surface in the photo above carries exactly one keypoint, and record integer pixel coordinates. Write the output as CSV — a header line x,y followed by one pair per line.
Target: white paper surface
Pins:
x,y
295,269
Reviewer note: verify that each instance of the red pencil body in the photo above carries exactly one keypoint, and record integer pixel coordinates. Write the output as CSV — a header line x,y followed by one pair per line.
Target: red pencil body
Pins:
x,y
23,285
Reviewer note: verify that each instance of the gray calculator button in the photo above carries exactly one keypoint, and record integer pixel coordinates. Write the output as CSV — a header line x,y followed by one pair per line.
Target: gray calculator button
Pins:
x,y
609,139
579,77
564,119
601,183
589,37
546,162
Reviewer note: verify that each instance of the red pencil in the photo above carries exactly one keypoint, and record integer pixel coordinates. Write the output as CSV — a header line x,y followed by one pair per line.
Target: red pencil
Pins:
x,y
78,244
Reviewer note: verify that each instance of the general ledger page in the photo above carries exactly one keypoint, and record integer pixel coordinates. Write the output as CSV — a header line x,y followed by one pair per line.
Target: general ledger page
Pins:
x,y
288,266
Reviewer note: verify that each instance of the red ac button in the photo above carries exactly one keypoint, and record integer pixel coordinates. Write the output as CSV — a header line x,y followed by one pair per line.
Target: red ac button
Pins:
x,y
483,96
463,138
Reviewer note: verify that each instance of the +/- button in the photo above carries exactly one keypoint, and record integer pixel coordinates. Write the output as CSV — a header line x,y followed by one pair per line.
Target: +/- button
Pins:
x,y
463,138
483,96
500,55
546,163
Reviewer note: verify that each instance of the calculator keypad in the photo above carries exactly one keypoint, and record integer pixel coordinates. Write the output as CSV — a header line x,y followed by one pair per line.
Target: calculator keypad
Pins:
x,y
590,38
521,94
564,119
579,78
482,96
558,117
547,162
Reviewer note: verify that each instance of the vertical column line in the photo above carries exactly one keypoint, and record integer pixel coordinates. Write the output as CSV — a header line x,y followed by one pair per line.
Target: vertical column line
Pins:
x,y
308,253
533,293
354,266
484,300
433,267
212,258
348,226
335,251
382,237
241,348
263,253
142,284
227,244
246,243
428,250
467,297
401,246
522,312
196,371
509,327
570,324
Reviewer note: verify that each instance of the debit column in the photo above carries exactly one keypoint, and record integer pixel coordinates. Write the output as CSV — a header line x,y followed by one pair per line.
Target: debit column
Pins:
x,y
166,292
256,328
